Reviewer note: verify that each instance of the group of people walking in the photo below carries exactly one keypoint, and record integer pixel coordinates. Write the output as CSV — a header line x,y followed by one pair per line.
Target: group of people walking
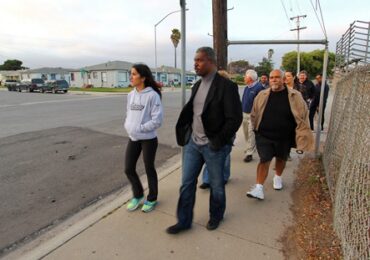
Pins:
x,y
275,118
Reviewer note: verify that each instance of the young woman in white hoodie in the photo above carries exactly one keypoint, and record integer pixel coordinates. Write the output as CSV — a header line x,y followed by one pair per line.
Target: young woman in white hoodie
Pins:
x,y
144,116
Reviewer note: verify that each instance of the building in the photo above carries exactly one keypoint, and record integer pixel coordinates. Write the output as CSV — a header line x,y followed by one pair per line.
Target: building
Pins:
x,y
46,73
172,76
9,74
110,74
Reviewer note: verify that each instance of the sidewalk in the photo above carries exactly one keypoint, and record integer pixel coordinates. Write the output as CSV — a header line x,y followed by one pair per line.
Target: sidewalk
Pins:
x,y
251,229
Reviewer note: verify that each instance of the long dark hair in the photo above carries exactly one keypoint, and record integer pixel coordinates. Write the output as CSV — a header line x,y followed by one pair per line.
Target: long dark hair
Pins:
x,y
145,72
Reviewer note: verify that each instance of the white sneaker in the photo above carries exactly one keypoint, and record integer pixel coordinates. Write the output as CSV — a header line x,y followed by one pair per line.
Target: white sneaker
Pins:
x,y
256,192
277,182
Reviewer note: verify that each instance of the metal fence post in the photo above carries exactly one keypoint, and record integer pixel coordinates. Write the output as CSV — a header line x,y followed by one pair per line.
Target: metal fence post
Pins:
x,y
321,104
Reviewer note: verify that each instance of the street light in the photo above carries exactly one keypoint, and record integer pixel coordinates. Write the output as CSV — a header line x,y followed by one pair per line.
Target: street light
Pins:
x,y
155,40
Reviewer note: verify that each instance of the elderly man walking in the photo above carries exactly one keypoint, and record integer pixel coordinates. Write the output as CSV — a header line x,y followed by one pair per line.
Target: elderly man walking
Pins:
x,y
250,92
206,128
280,120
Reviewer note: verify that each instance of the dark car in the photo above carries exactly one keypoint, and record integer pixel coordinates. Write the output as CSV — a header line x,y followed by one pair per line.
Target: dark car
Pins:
x,y
56,86
36,84
31,85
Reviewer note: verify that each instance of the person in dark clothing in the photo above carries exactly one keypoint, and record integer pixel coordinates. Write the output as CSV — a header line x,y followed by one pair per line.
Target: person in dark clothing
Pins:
x,y
314,106
206,128
305,86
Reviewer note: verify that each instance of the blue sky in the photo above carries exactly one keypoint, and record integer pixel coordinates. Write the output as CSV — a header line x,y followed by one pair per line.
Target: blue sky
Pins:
x,y
75,33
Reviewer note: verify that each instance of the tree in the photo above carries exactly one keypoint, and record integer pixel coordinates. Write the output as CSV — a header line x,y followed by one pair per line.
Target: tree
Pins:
x,y
264,67
239,67
175,38
12,65
312,62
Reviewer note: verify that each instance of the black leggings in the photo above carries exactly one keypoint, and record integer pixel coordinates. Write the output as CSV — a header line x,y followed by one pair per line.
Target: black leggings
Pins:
x,y
133,150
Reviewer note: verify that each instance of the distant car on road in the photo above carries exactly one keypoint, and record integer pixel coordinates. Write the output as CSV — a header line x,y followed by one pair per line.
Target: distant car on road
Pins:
x,y
11,84
56,86
30,85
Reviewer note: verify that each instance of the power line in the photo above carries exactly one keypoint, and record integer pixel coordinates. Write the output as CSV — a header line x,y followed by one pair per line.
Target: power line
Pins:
x,y
322,18
286,14
318,19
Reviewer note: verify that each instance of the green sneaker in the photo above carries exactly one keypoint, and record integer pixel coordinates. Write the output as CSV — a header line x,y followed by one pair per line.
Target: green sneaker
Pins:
x,y
134,203
148,206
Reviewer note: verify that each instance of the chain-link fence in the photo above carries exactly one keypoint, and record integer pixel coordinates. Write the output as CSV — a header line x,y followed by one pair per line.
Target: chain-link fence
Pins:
x,y
346,160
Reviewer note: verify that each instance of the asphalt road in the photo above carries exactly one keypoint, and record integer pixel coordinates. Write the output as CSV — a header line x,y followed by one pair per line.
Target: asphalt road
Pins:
x,y
60,153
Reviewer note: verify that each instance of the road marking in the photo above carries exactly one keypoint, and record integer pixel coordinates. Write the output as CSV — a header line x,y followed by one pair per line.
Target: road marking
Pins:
x,y
55,101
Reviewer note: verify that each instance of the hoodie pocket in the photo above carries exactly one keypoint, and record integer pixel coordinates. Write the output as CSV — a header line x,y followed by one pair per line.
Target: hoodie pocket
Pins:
x,y
132,128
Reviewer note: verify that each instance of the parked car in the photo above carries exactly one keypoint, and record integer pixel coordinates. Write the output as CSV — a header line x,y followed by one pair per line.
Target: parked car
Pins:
x,y
11,84
30,85
36,84
190,81
56,86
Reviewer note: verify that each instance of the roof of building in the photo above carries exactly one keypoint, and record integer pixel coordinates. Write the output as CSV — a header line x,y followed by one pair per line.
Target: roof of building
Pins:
x,y
47,70
10,72
110,65
169,69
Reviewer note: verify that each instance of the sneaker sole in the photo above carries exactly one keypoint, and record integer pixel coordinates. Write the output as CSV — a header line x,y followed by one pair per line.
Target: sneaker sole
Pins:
x,y
278,188
147,211
151,209
253,197
133,209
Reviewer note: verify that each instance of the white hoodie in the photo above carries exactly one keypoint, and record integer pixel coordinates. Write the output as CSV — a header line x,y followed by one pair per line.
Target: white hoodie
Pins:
x,y
144,114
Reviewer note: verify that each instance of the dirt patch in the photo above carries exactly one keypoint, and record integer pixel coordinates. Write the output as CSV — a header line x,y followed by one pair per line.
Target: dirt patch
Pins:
x,y
312,235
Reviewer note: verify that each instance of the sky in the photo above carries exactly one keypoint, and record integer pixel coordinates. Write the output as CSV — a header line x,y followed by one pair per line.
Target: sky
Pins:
x,y
77,33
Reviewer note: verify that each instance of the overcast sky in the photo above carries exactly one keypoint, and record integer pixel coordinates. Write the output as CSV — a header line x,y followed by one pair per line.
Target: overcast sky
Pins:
x,y
76,33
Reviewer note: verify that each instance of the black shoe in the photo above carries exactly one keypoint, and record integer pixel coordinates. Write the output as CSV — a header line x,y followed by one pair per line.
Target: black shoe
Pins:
x,y
212,224
248,158
175,229
225,182
204,186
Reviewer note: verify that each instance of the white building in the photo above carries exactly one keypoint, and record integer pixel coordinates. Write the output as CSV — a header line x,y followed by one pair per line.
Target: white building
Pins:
x,y
110,74
9,74
47,74
172,76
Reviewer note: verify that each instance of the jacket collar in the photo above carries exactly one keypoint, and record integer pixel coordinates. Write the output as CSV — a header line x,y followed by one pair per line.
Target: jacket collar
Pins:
x,y
290,91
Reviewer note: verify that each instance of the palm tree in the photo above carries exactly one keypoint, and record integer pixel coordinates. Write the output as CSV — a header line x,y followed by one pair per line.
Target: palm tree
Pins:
x,y
175,38
270,53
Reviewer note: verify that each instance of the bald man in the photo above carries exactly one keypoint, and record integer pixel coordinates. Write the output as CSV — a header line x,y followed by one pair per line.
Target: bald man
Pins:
x,y
280,120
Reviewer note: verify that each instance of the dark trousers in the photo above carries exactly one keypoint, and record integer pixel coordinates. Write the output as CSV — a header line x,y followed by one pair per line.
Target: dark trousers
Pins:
x,y
194,158
133,150
313,110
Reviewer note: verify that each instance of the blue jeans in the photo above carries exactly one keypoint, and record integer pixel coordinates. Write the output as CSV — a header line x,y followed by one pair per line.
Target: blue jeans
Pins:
x,y
226,171
194,158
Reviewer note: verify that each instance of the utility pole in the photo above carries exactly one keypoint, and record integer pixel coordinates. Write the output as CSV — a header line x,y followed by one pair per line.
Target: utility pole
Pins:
x,y
298,29
219,10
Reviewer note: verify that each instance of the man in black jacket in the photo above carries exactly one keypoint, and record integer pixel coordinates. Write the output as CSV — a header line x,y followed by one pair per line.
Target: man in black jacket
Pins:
x,y
305,86
206,128
316,101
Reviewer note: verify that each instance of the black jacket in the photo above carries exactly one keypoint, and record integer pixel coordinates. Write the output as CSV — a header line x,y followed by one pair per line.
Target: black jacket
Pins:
x,y
307,88
316,100
221,116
